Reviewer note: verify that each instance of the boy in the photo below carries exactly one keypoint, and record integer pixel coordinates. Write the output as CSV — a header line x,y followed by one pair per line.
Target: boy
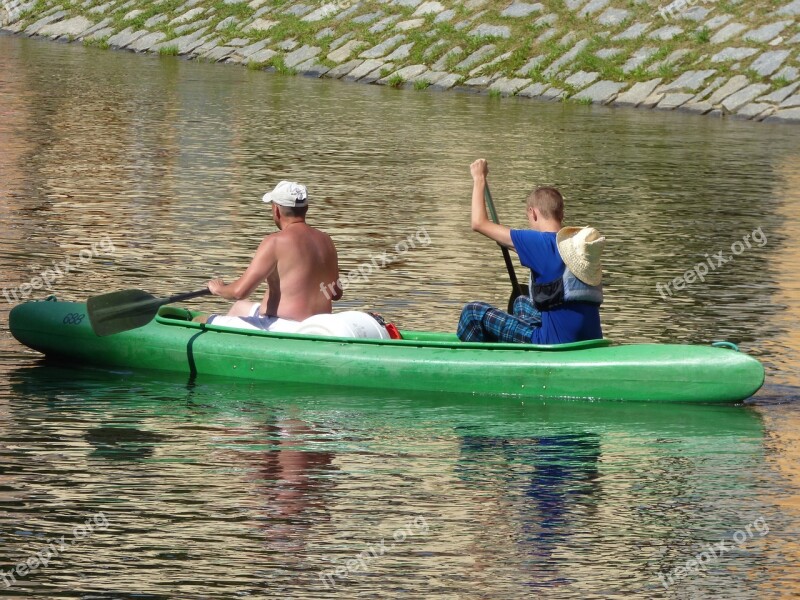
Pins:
x,y
566,274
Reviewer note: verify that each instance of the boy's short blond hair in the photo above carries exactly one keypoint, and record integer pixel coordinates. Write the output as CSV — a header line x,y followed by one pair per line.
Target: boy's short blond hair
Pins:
x,y
548,201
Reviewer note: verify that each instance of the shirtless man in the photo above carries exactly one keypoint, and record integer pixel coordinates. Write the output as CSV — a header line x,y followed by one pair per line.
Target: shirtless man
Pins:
x,y
294,262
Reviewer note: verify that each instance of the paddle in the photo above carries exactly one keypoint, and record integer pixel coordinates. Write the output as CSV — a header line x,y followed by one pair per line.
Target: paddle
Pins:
x,y
128,309
516,292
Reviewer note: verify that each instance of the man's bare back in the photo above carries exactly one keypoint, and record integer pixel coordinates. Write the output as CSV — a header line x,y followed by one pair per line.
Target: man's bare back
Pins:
x,y
304,258
297,263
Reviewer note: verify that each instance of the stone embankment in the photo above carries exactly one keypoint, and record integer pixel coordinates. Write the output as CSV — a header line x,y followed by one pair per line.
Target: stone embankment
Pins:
x,y
727,58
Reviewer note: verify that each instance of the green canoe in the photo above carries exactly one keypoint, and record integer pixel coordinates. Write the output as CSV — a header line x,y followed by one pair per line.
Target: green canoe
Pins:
x,y
422,361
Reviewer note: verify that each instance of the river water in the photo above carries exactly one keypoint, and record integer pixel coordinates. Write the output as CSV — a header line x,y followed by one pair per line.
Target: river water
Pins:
x,y
147,172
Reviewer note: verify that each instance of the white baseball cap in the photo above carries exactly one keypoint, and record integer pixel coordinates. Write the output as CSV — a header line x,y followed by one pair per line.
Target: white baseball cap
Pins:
x,y
288,193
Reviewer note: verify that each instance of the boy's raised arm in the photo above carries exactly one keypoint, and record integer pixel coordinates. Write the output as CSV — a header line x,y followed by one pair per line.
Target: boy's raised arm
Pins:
x,y
480,220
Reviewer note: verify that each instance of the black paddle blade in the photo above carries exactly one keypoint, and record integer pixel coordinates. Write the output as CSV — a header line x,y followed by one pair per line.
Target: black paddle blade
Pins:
x,y
120,311
519,290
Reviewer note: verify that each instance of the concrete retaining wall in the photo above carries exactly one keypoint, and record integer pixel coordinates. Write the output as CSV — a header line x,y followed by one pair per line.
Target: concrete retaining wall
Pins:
x,y
722,58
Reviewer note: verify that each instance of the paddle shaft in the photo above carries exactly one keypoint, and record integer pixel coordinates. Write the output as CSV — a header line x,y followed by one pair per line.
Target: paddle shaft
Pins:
x,y
512,275
186,296
149,304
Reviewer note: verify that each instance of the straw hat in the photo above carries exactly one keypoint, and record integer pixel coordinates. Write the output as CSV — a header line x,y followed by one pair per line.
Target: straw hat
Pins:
x,y
580,249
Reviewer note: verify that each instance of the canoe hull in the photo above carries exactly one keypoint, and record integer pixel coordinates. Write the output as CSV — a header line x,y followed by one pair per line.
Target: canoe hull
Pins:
x,y
427,362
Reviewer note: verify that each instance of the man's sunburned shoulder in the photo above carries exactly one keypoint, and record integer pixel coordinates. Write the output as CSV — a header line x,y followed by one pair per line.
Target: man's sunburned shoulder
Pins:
x,y
269,239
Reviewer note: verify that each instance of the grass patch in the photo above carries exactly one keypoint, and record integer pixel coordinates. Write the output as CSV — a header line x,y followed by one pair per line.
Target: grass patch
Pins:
x,y
277,63
290,27
608,68
780,82
170,50
240,10
640,73
690,59
165,7
254,65
325,42
395,81
101,43
702,36
723,69
666,71
169,31
494,93
530,28
660,54
730,7
228,32
421,44
519,56
36,9
536,74
137,22
453,60
421,84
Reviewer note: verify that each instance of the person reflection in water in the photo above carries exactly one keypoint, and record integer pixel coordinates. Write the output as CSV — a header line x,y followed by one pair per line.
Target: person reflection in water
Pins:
x,y
539,483
291,484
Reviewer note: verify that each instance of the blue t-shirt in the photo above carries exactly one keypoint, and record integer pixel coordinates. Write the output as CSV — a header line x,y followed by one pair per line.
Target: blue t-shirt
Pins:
x,y
571,322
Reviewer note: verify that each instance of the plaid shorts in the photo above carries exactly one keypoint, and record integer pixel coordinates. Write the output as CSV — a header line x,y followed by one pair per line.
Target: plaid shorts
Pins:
x,y
481,322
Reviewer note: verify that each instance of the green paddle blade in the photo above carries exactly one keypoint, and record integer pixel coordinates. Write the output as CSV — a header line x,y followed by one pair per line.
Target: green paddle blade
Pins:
x,y
120,311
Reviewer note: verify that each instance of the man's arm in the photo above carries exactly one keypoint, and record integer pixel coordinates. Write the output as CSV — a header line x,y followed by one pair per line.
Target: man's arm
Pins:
x,y
262,265
480,220
338,292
